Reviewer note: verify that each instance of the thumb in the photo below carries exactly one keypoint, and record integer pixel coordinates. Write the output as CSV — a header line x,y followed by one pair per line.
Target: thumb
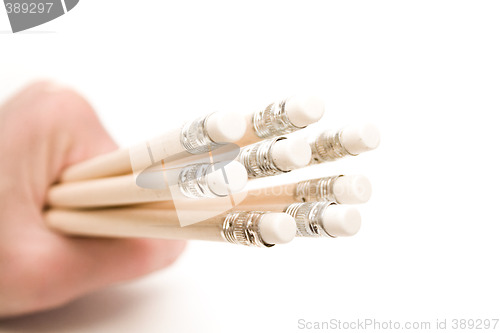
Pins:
x,y
44,129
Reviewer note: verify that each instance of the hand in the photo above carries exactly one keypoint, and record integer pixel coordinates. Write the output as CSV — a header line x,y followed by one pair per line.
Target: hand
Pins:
x,y
44,129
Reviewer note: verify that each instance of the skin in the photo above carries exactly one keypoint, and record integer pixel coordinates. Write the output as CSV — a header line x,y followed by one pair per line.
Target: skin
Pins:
x,y
44,129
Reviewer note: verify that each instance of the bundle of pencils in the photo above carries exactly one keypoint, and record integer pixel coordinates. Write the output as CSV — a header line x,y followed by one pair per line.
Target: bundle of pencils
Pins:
x,y
190,183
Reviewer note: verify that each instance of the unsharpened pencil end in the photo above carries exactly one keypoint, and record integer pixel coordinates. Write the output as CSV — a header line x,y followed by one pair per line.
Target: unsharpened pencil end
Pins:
x,y
291,154
352,189
341,221
359,139
303,111
227,178
277,228
224,127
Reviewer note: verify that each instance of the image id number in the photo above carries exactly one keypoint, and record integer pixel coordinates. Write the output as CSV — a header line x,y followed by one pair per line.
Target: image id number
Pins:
x,y
28,8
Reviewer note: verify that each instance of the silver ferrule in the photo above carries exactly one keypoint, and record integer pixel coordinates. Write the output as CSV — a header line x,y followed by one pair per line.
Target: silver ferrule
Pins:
x,y
243,228
258,159
309,218
193,181
328,147
195,139
273,121
319,189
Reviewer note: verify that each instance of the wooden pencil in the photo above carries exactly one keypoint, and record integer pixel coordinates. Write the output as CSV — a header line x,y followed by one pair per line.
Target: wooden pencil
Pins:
x,y
191,182
202,135
340,189
197,137
245,228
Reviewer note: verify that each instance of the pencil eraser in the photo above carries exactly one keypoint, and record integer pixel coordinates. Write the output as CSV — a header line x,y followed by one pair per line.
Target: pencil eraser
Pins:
x,y
341,221
227,178
291,154
277,228
304,110
223,127
352,189
358,139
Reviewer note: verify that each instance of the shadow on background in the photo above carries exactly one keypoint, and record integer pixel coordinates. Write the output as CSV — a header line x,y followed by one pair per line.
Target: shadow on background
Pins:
x,y
104,306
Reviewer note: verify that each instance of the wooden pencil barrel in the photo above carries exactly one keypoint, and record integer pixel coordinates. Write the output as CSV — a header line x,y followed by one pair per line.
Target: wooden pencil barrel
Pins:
x,y
119,162
148,223
113,191
276,195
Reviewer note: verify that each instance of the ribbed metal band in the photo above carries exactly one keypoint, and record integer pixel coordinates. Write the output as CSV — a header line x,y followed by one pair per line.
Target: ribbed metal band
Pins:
x,y
328,147
243,228
193,181
258,161
319,189
273,121
309,218
195,139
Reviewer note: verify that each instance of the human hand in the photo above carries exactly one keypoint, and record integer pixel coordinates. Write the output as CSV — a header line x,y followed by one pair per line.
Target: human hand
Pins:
x,y
44,129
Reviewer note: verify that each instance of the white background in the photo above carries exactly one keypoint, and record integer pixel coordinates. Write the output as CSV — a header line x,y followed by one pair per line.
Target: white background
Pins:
x,y
426,72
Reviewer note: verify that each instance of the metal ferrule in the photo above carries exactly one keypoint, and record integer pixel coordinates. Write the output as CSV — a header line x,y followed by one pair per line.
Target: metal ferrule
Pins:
x,y
328,147
273,121
193,181
309,218
319,189
195,139
258,161
243,228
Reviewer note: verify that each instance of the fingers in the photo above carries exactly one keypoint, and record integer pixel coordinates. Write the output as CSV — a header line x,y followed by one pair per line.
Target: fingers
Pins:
x,y
44,129
50,270
124,259
74,118
103,262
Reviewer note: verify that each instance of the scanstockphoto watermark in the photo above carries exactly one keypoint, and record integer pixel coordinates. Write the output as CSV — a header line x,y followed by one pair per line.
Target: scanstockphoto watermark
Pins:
x,y
362,324
372,324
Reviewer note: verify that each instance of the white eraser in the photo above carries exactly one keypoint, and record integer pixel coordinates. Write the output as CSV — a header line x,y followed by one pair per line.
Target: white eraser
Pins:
x,y
303,111
223,127
341,221
358,139
352,189
227,178
277,228
291,154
